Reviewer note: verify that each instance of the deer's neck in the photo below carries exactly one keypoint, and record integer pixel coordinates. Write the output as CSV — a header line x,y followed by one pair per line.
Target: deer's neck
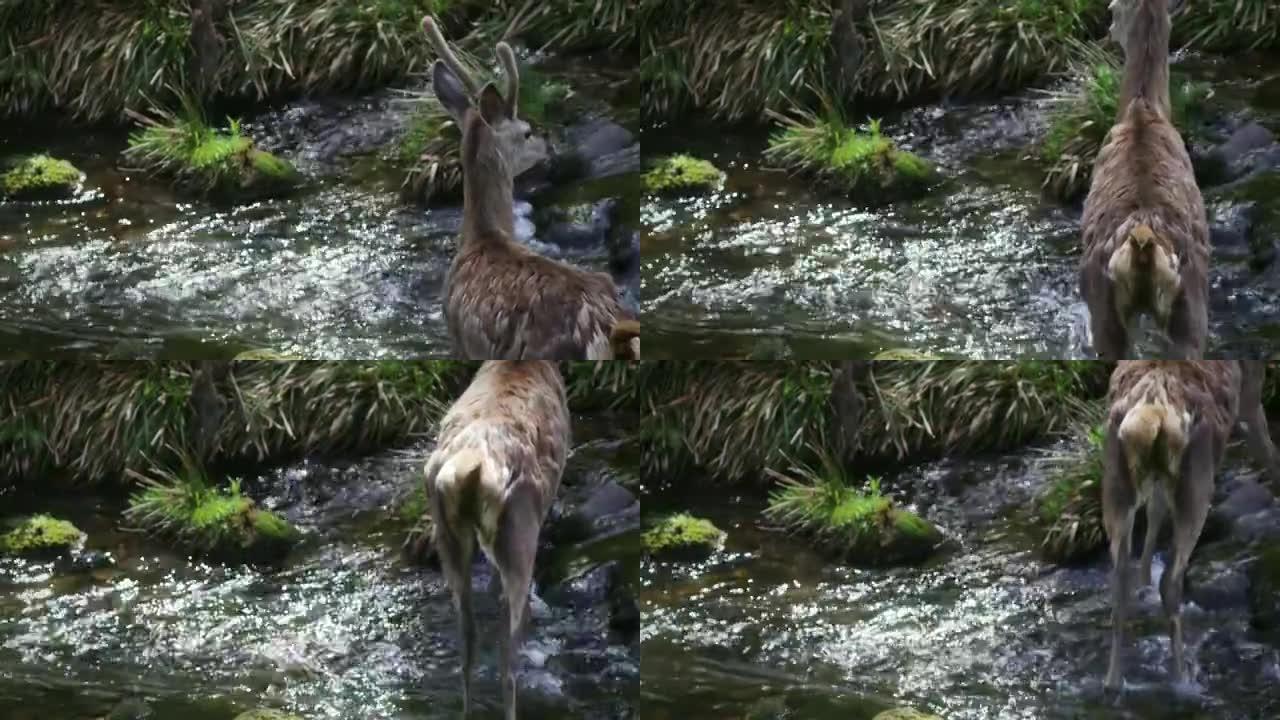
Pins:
x,y
1146,64
488,215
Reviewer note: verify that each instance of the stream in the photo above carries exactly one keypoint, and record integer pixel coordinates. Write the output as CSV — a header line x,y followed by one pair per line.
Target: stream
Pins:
x,y
344,628
985,630
982,267
341,268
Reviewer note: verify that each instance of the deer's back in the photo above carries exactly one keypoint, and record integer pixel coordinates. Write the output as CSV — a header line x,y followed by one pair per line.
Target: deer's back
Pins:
x,y
1144,167
1208,389
516,414
509,302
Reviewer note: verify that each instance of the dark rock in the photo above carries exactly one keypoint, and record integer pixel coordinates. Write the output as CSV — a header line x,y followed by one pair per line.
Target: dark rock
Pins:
x,y
1231,228
130,709
1264,525
624,612
1239,155
604,511
1264,589
583,236
1217,585
582,591
87,561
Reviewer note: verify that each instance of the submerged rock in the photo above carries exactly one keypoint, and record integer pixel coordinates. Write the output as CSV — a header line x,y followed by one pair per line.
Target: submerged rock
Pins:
x,y
41,536
682,175
905,714
41,177
131,709
683,537
1248,149
267,714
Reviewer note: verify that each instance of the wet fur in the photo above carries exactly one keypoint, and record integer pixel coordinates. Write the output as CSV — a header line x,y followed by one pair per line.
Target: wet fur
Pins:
x,y
491,480
1144,209
503,300
1168,424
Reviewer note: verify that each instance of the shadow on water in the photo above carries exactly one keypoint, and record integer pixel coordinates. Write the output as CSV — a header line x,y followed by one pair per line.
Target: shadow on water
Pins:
x,y
343,629
981,267
985,631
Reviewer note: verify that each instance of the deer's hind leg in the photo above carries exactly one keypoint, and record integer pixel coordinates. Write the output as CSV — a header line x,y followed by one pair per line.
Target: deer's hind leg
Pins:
x,y
515,551
1155,522
456,550
1119,505
1253,374
1190,506
1188,326
1106,327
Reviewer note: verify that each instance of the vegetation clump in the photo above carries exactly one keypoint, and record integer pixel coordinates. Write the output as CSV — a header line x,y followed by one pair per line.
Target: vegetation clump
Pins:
x,y
682,175
218,163
862,527
1082,115
1069,512
682,537
863,164
204,518
40,177
1230,24
40,536
905,354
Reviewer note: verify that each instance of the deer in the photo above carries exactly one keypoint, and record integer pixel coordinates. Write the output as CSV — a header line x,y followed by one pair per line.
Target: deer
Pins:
x,y
1167,426
501,299
490,482
1145,232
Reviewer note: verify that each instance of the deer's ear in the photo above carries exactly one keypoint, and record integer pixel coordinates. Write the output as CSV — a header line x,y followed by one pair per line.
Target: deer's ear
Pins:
x,y
492,107
449,91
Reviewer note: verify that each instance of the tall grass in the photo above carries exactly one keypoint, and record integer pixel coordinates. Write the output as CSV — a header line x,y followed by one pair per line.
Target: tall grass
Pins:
x,y
736,420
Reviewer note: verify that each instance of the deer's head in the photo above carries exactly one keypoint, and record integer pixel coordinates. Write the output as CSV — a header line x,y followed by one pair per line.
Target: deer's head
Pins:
x,y
520,147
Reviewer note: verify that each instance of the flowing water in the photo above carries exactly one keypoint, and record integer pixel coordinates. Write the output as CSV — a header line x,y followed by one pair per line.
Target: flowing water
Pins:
x,y
981,267
984,631
339,269
345,628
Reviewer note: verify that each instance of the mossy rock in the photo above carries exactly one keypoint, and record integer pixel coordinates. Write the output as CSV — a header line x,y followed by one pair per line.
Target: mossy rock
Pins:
x,y
905,714
682,537
267,714
41,536
221,164
864,165
862,528
770,708
682,175
40,177
1264,590
1264,190
220,522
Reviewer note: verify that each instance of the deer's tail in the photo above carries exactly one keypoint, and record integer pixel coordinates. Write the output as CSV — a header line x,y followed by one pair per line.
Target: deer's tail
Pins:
x,y
458,482
1154,435
624,338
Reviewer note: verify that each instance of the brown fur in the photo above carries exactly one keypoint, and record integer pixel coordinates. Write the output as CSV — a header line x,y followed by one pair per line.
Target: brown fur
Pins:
x,y
1167,426
502,300
1146,236
491,481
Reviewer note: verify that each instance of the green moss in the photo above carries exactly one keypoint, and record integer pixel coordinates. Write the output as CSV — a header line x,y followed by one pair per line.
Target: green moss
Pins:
x,y
40,177
1082,114
862,527
266,714
1264,589
682,175
40,535
201,159
905,714
863,164
185,506
682,537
